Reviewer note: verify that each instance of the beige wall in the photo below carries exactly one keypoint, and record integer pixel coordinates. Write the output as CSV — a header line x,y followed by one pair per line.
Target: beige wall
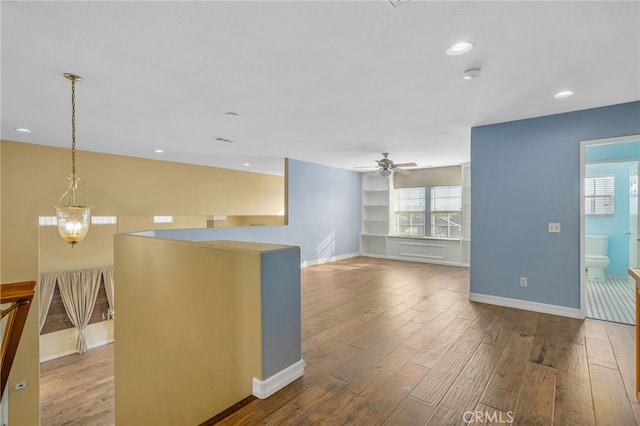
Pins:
x,y
56,255
63,342
254,221
32,179
145,223
188,329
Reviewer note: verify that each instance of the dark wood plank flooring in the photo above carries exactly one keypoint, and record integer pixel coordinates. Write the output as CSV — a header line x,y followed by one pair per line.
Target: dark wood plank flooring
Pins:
x,y
398,343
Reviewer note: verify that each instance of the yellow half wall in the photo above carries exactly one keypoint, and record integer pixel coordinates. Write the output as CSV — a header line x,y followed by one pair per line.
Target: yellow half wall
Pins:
x,y
188,332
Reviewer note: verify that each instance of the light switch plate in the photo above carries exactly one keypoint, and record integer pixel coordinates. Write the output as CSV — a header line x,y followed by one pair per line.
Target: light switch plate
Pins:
x,y
554,227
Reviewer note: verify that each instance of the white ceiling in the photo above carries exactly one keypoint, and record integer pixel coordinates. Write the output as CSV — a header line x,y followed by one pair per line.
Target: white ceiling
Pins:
x,y
335,83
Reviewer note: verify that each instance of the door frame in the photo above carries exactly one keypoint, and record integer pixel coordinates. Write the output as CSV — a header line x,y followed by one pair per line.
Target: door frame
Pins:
x,y
583,146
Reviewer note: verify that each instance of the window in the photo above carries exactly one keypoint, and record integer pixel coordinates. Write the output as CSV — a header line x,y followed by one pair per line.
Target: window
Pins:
x,y
163,219
446,211
104,220
95,220
410,212
598,195
435,212
47,221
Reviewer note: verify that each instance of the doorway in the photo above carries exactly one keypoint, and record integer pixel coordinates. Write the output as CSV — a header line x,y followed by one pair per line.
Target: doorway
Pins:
x,y
609,227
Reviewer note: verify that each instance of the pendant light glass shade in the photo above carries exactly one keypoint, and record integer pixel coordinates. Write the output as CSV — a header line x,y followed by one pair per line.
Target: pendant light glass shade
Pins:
x,y
73,211
74,219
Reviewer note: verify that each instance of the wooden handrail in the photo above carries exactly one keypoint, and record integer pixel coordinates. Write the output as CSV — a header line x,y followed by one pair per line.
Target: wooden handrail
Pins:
x,y
19,295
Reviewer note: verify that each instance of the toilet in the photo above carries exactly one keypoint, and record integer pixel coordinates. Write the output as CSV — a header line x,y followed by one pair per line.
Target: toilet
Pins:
x,y
596,258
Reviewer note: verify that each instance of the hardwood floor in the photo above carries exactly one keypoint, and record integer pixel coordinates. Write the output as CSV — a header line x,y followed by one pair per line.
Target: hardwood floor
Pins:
x,y
397,343
78,389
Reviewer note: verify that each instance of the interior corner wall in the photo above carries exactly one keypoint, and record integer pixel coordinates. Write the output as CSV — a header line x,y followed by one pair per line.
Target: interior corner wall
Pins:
x,y
524,175
323,220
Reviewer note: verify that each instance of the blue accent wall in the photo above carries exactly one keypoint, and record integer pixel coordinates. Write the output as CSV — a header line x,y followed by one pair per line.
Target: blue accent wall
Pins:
x,y
613,226
525,174
281,312
325,215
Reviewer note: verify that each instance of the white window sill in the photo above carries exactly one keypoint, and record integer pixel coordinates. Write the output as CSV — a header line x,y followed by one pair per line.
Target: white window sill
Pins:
x,y
415,237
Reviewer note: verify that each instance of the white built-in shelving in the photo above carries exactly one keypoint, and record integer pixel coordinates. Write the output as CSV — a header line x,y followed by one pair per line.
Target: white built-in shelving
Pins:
x,y
375,215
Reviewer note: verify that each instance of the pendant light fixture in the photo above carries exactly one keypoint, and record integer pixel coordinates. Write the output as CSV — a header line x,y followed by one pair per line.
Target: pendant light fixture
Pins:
x,y
73,211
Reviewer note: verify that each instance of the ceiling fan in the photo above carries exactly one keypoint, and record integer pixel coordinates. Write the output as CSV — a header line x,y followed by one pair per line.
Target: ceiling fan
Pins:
x,y
387,166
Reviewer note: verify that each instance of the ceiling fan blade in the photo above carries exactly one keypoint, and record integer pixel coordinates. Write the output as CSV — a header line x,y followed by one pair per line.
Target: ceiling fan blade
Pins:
x,y
366,167
404,164
401,171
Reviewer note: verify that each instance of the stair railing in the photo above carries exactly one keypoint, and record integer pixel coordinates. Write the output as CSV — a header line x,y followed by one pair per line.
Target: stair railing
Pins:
x,y
19,296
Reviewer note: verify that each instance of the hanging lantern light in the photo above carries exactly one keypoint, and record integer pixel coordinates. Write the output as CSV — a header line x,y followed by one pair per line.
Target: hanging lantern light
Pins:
x,y
73,211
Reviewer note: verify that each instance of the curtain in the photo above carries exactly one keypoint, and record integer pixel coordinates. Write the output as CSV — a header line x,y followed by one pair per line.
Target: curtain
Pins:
x,y
107,274
79,291
47,288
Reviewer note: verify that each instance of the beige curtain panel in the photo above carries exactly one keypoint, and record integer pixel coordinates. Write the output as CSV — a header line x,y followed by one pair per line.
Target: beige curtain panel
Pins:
x,y
79,291
107,275
47,287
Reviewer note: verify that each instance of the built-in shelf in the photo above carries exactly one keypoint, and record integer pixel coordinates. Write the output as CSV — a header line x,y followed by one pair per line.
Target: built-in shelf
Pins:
x,y
373,245
377,220
375,215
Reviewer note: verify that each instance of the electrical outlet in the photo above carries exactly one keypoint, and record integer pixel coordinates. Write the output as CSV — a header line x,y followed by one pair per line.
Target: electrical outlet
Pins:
x,y
523,281
554,227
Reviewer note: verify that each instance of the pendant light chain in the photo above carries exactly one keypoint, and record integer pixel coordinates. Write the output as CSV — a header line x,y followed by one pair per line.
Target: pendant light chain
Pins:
x,y
73,128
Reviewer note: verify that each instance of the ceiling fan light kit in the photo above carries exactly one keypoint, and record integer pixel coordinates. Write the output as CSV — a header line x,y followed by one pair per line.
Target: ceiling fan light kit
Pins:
x,y
386,166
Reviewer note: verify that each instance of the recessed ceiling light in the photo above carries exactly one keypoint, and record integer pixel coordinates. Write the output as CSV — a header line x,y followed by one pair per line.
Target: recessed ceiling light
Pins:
x,y
471,74
158,151
563,94
246,164
23,130
460,48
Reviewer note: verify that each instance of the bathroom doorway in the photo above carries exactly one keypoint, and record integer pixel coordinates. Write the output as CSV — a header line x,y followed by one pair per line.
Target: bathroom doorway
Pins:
x,y
609,227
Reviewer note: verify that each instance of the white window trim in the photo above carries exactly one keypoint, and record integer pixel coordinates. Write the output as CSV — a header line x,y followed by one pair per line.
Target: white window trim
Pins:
x,y
593,197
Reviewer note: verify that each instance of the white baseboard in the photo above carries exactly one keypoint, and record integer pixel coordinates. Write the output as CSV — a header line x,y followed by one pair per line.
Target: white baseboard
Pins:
x,y
264,389
328,259
55,356
73,351
377,256
410,259
526,305
432,261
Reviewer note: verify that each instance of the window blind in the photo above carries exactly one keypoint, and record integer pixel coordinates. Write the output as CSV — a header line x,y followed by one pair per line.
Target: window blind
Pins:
x,y
434,176
598,193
